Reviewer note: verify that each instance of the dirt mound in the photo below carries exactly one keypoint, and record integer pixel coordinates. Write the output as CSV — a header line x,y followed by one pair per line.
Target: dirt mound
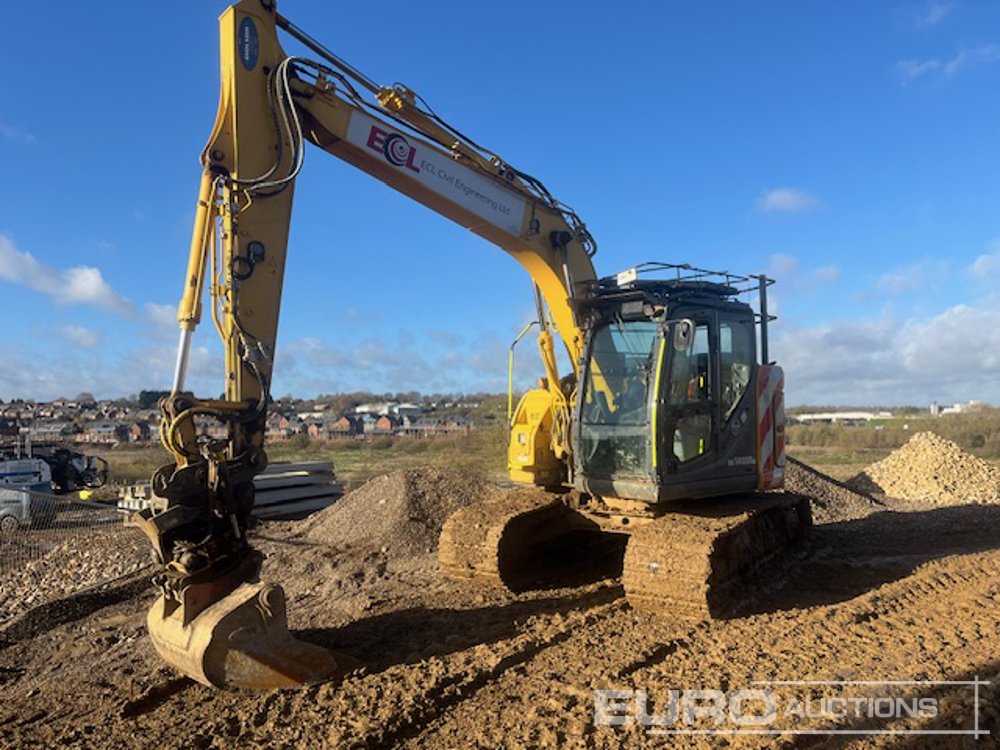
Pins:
x,y
398,514
933,469
832,501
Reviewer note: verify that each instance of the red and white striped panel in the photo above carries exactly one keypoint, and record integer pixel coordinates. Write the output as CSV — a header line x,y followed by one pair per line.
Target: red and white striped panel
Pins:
x,y
770,427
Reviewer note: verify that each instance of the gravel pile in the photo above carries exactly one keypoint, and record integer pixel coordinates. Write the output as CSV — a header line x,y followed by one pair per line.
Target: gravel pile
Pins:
x,y
831,500
399,514
90,557
932,469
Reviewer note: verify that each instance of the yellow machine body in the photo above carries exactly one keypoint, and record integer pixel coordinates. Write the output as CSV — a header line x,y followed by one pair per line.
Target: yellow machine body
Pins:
x,y
530,455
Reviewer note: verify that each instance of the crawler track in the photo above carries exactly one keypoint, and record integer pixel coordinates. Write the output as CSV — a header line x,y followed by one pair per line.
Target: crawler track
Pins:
x,y
495,541
712,560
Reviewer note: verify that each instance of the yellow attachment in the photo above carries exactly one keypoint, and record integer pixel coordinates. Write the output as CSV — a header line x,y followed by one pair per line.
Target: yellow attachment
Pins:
x,y
530,456
241,642
189,310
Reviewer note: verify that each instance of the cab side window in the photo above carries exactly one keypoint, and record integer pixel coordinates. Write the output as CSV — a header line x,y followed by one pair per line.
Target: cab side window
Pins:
x,y
689,370
736,360
690,386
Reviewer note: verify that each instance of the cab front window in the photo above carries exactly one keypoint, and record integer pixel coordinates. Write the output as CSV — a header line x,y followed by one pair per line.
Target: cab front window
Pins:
x,y
614,435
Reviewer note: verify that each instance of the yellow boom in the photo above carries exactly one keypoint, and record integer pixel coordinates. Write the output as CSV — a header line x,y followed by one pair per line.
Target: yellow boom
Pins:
x,y
214,620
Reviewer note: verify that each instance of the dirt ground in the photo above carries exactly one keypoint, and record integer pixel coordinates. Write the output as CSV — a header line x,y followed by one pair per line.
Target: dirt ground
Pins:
x,y
889,590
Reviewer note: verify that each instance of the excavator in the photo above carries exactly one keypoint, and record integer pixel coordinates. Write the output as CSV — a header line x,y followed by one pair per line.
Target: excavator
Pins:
x,y
669,427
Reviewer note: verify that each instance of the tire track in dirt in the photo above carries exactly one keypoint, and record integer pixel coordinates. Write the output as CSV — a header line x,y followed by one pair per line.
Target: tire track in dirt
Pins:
x,y
926,626
962,580
549,702
389,708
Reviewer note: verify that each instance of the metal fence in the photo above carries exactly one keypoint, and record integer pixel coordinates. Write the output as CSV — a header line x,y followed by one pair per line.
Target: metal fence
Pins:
x,y
52,547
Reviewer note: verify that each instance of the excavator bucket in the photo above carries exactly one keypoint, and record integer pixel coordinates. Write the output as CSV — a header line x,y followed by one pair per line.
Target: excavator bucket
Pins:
x,y
241,641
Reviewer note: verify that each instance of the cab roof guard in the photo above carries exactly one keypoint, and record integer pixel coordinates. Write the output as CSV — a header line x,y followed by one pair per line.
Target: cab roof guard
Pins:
x,y
684,277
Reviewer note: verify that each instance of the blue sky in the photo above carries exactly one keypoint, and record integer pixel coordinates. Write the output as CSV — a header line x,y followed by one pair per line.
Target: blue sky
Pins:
x,y
847,148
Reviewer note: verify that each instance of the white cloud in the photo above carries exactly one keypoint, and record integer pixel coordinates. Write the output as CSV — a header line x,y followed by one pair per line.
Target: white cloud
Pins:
x,y
47,372
782,265
787,270
902,280
913,277
164,316
16,135
443,363
910,71
988,264
82,285
950,356
970,58
826,275
786,200
80,336
932,13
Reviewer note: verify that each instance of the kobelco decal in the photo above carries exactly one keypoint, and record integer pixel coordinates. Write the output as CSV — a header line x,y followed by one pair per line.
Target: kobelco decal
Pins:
x,y
440,173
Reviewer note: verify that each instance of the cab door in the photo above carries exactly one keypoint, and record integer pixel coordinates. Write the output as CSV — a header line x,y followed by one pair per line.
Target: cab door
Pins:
x,y
704,422
687,405
736,346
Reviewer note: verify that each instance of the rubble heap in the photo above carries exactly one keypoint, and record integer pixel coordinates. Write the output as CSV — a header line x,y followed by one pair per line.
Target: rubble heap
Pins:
x,y
831,500
933,469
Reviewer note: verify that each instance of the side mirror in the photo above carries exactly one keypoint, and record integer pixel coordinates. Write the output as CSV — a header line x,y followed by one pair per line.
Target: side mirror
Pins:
x,y
683,334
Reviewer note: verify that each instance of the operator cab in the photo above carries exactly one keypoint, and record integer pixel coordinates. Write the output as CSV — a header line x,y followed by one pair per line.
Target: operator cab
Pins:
x,y
666,407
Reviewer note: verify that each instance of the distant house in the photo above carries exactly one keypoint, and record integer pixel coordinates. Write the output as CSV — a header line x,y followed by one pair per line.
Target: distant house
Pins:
x,y
420,428
105,433
455,426
367,422
274,434
346,426
51,431
281,427
387,424
313,412
275,427
139,432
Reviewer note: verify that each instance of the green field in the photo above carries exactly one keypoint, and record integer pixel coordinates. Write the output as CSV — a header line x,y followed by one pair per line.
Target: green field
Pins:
x,y
837,450
482,452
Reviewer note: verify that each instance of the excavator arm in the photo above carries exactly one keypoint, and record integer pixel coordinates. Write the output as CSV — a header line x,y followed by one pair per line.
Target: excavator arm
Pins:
x,y
215,620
